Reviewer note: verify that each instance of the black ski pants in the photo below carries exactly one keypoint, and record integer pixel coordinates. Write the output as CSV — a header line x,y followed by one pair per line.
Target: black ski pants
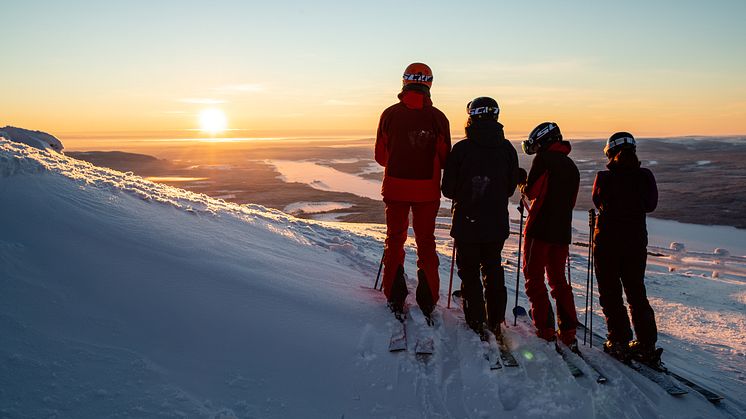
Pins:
x,y
479,262
621,267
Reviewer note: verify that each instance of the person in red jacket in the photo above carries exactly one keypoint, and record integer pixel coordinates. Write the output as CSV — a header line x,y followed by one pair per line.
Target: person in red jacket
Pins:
x,y
552,186
623,195
412,143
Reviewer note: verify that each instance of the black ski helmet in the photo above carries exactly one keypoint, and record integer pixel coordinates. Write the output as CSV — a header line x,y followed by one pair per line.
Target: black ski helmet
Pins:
x,y
544,133
483,107
617,142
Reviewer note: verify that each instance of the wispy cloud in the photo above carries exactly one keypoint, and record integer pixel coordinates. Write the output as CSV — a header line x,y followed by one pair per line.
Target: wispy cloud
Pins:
x,y
202,101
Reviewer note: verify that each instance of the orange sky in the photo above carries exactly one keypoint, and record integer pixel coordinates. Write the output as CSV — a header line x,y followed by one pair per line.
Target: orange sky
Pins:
x,y
331,68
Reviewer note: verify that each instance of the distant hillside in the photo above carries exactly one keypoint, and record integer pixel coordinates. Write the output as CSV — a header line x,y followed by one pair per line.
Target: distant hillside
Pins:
x,y
141,164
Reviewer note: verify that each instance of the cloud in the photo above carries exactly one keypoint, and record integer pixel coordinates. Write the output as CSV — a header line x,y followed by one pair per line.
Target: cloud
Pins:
x,y
203,101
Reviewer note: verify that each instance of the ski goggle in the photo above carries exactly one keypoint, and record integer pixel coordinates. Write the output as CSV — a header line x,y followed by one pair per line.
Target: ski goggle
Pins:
x,y
619,142
482,110
418,77
530,147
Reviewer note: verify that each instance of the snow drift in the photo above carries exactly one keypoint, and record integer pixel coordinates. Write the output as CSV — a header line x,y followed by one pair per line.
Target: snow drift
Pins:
x,y
127,298
36,139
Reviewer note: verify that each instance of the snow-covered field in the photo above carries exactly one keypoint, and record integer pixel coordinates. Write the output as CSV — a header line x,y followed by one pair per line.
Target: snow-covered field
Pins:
x,y
126,298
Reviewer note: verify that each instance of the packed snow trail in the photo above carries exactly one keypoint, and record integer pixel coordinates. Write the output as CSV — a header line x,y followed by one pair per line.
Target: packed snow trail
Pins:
x,y
125,298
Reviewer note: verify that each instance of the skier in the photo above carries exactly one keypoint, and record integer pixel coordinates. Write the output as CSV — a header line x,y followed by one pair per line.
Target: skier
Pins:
x,y
412,143
624,194
480,175
552,186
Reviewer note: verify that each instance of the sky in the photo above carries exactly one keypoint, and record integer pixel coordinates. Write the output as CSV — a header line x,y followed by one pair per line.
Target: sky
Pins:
x,y
128,68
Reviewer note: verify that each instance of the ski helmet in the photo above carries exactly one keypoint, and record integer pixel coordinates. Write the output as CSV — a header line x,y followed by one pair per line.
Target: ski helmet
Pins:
x,y
418,73
483,108
617,142
544,133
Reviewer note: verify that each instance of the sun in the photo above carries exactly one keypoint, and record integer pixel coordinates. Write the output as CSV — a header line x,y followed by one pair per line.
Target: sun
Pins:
x,y
213,121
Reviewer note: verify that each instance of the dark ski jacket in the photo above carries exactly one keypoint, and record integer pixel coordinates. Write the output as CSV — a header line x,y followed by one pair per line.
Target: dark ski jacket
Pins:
x,y
552,186
624,194
480,175
412,143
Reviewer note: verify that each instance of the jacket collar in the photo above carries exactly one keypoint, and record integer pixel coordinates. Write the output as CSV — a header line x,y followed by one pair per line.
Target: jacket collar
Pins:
x,y
563,147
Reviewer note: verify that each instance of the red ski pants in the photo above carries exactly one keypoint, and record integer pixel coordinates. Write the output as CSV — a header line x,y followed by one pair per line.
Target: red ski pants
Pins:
x,y
397,224
540,256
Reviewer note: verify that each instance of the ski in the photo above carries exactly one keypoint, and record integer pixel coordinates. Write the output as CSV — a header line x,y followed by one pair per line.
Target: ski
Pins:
x,y
711,396
506,356
600,377
574,369
658,377
493,359
490,352
424,347
398,341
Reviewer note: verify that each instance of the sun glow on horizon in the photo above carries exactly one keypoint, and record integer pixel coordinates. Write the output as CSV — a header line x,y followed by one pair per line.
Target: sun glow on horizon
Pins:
x,y
213,121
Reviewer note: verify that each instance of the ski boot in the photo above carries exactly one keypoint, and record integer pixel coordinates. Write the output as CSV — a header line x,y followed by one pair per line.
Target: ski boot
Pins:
x,y
647,354
617,350
398,309
496,330
573,347
481,330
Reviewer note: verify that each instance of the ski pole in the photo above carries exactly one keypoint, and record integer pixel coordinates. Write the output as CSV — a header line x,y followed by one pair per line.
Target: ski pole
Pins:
x,y
518,264
453,258
588,272
450,282
593,231
380,266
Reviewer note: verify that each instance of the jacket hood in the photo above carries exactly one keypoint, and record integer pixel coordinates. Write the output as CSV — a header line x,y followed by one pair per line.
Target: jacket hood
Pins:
x,y
415,99
487,133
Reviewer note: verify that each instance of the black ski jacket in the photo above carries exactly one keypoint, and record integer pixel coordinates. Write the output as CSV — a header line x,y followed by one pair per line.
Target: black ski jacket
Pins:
x,y
481,173
624,194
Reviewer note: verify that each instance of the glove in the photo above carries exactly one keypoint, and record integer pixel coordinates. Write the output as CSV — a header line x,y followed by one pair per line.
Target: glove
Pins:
x,y
522,176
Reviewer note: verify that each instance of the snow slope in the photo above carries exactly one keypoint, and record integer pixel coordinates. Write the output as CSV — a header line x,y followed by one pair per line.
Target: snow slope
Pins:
x,y
127,298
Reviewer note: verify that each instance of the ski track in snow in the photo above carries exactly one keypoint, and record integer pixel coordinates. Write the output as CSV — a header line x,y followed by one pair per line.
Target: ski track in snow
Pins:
x,y
127,298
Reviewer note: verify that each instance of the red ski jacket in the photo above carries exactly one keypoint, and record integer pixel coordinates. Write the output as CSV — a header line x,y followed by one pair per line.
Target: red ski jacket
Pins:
x,y
552,186
412,143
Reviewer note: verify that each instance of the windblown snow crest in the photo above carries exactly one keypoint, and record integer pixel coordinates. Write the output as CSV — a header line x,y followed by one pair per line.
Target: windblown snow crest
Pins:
x,y
20,159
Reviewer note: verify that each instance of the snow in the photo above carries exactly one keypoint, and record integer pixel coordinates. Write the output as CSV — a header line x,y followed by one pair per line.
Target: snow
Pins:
x,y
37,139
123,297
